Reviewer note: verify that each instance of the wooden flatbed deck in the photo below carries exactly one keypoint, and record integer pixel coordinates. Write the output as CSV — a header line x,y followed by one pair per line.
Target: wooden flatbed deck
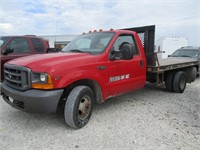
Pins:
x,y
172,63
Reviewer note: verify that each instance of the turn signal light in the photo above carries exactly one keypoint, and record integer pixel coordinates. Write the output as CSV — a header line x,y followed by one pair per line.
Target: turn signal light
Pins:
x,y
42,86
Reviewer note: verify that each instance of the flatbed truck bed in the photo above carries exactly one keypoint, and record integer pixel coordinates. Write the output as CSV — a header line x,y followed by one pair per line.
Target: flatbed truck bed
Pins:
x,y
166,70
171,64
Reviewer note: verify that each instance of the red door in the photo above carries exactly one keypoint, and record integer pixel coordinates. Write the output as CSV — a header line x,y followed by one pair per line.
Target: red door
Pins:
x,y
126,75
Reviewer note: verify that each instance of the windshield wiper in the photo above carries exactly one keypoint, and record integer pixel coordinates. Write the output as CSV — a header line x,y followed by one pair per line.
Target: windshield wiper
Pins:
x,y
184,56
76,50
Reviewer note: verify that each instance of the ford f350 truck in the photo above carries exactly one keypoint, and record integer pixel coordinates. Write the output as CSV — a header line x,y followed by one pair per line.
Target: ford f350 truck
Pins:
x,y
90,69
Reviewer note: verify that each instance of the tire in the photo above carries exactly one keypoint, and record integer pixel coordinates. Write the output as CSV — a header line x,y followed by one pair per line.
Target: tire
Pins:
x,y
179,82
193,74
169,82
78,107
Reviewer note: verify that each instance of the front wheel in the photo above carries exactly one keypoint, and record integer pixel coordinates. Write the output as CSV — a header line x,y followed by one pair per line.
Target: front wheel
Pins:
x,y
78,107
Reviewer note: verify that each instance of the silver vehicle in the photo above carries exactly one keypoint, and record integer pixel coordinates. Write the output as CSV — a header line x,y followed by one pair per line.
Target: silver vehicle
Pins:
x,y
189,51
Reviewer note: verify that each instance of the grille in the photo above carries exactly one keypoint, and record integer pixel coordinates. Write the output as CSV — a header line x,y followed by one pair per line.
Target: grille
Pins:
x,y
17,77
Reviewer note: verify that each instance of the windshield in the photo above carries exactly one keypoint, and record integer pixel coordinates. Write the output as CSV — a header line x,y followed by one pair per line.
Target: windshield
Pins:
x,y
194,53
94,43
3,40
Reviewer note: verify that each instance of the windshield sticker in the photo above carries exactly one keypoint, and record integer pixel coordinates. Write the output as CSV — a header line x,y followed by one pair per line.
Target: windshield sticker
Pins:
x,y
118,78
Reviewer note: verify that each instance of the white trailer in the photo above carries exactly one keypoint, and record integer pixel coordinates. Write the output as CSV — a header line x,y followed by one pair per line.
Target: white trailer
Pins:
x,y
167,45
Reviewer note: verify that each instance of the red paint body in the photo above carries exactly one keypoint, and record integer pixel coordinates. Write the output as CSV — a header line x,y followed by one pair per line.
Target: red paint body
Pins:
x,y
71,67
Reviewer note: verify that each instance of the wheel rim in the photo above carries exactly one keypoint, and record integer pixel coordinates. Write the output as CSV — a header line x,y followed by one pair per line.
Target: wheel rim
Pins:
x,y
84,108
182,83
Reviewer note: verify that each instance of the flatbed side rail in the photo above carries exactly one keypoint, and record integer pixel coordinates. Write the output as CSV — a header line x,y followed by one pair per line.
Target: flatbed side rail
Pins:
x,y
160,68
158,72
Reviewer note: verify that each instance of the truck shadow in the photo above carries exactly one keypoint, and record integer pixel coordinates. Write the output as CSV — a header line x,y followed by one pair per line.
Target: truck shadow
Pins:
x,y
32,122
132,97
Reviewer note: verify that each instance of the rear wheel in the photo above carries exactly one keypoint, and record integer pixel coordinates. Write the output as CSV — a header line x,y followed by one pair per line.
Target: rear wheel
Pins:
x,y
169,81
179,82
78,107
193,74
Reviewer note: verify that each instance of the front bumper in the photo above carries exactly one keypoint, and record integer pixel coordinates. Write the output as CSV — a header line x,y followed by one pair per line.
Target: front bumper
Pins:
x,y
35,101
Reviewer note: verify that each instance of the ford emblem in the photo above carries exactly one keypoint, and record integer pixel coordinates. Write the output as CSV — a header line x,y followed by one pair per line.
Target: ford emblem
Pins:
x,y
10,76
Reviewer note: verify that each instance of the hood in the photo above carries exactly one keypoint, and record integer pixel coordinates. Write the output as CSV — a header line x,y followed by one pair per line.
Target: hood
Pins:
x,y
44,62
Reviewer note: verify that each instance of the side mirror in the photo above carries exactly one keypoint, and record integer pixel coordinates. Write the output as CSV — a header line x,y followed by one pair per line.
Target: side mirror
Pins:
x,y
115,55
7,51
127,51
169,55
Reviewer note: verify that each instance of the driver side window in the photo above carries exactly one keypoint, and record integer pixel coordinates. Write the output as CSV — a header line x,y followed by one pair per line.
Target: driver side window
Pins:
x,y
125,39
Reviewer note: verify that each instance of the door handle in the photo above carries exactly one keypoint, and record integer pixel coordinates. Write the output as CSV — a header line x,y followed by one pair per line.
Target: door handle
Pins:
x,y
141,63
101,67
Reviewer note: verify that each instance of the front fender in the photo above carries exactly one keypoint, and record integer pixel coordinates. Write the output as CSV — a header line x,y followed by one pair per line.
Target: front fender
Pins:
x,y
77,75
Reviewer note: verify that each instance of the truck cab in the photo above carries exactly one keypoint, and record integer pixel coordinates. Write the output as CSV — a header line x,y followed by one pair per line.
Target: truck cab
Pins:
x,y
120,55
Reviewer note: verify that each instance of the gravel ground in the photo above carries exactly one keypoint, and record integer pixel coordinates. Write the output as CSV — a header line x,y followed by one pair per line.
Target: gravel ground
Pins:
x,y
151,118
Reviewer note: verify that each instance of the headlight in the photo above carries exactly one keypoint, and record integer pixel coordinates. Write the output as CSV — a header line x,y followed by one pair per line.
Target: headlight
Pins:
x,y
41,81
43,77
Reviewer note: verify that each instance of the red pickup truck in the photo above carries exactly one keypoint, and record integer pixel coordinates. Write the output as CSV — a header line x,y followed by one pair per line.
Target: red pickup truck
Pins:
x,y
19,46
92,68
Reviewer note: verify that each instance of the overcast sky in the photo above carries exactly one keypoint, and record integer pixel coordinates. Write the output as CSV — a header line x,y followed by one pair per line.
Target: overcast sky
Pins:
x,y
59,17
